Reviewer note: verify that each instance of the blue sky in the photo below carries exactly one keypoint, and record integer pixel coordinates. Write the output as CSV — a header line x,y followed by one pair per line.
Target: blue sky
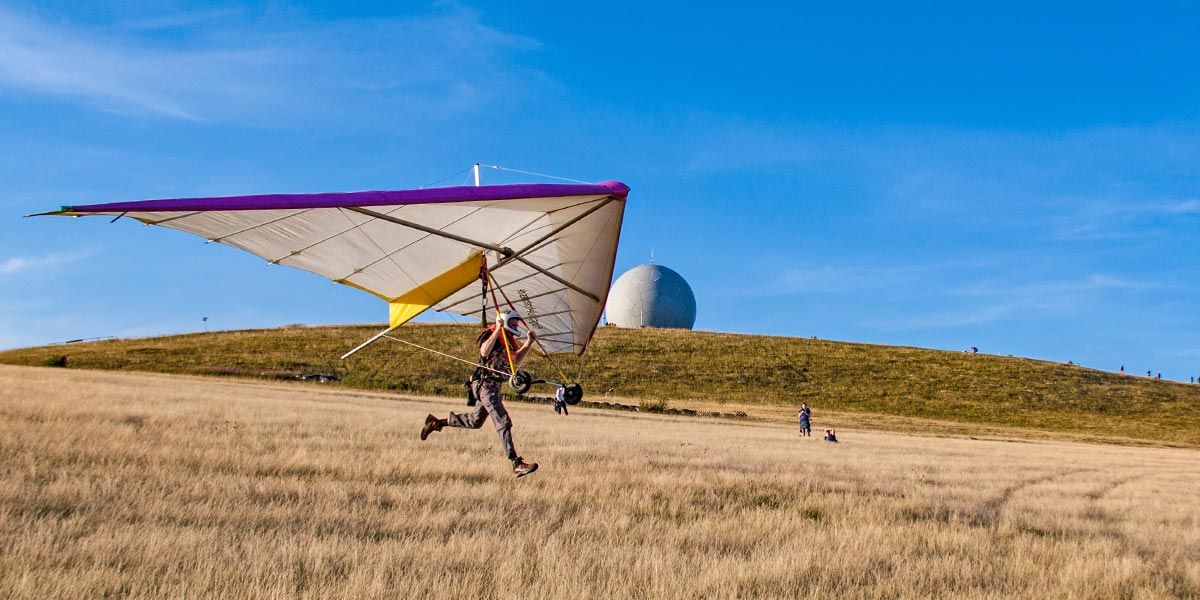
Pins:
x,y
1020,178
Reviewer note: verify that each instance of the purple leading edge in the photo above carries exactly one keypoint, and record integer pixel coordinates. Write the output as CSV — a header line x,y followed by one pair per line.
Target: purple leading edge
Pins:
x,y
371,198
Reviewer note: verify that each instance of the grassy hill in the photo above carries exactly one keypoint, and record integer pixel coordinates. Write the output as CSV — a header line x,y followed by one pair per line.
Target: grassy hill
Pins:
x,y
692,366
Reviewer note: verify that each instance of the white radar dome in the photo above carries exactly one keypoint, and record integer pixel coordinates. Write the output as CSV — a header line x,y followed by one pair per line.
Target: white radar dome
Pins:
x,y
651,296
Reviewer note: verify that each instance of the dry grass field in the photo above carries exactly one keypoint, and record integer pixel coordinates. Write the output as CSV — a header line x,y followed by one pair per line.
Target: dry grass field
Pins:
x,y
136,485
693,368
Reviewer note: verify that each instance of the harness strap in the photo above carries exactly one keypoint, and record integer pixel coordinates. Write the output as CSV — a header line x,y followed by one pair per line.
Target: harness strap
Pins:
x,y
512,367
501,326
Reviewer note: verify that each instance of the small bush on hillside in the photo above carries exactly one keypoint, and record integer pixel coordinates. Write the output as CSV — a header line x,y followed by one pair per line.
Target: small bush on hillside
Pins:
x,y
655,405
399,385
55,361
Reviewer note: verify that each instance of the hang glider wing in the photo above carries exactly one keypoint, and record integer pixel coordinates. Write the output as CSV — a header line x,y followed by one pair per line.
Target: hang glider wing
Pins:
x,y
549,247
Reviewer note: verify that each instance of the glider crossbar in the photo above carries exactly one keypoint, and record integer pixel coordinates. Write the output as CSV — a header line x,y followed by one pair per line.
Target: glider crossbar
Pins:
x,y
519,254
367,343
430,230
547,273
577,218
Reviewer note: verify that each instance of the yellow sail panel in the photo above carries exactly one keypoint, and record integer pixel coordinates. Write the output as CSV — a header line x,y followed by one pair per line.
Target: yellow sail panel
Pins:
x,y
419,299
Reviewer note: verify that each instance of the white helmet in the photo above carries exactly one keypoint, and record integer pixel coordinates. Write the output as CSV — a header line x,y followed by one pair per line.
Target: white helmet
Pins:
x,y
505,321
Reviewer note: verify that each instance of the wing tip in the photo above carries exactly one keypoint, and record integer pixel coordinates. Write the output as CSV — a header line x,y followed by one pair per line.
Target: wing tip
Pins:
x,y
62,210
616,187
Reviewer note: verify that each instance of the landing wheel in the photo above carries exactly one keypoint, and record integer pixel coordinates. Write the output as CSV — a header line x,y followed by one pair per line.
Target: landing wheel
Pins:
x,y
520,382
572,393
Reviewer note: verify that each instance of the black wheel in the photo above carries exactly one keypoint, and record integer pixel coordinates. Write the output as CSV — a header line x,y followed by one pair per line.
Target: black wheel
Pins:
x,y
520,382
572,393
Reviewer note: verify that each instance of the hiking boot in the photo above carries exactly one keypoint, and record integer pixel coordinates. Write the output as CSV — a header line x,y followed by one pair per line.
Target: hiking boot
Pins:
x,y
522,468
432,424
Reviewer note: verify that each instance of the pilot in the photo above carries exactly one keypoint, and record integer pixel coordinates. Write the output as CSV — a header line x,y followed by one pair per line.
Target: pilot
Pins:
x,y
496,344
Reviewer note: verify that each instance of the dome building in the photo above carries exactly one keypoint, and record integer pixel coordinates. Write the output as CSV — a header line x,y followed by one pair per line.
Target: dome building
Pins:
x,y
651,296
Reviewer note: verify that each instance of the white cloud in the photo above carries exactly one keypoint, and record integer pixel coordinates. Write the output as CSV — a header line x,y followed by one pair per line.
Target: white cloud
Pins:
x,y
180,19
266,69
1045,290
1104,182
1185,207
957,318
1003,299
820,279
19,264
1105,219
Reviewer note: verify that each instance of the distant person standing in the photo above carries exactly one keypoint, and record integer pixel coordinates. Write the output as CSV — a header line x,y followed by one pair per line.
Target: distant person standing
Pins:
x,y
1122,368
805,415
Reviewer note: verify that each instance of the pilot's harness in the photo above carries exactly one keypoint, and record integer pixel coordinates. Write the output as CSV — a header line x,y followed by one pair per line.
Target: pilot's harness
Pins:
x,y
482,370
519,381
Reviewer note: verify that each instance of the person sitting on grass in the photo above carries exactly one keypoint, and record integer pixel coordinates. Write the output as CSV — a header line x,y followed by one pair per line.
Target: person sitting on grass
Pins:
x,y
831,436
496,344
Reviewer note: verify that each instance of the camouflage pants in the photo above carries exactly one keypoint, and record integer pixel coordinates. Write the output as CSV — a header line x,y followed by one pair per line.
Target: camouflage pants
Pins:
x,y
489,404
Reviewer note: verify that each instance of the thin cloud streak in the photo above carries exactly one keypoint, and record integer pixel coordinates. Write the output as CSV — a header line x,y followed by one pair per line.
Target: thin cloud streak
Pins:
x,y
977,316
180,19
1013,300
1091,283
1099,220
243,69
1106,182
15,265
40,58
833,279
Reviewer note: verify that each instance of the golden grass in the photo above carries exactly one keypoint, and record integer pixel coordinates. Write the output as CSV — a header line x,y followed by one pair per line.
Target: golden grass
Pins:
x,y
132,485
691,368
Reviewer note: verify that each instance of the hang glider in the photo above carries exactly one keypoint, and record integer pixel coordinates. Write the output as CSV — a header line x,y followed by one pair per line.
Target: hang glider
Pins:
x,y
549,248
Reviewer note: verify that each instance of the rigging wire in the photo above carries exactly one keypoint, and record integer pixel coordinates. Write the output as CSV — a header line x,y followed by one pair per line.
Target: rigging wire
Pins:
x,y
499,168
461,360
447,178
